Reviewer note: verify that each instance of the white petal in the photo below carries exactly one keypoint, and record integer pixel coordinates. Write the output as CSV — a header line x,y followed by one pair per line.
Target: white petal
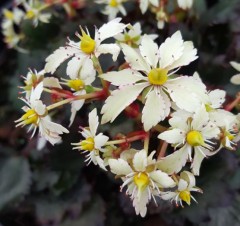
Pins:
x,y
182,185
119,166
100,140
100,162
162,179
155,109
171,50
173,163
140,161
169,195
113,49
141,203
58,56
93,121
36,93
149,50
119,100
189,177
235,65
143,5
200,119
74,66
173,136
124,77
51,82
196,164
189,54
235,79
110,29
217,97
155,2
134,59
88,73
39,107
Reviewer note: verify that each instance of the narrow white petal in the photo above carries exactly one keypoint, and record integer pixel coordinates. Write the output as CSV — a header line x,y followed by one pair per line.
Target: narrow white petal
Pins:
x,y
173,136
155,109
217,97
74,66
155,2
189,54
58,56
143,5
93,121
140,204
162,179
173,163
149,50
182,185
197,160
100,162
140,161
171,50
134,59
39,107
235,65
119,167
51,82
235,79
36,93
100,140
113,49
119,100
168,195
200,119
110,29
124,77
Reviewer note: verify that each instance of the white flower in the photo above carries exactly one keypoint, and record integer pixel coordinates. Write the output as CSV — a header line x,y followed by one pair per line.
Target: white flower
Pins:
x,y
112,8
145,3
157,64
196,134
227,123
12,17
186,185
11,38
33,78
162,18
236,78
79,79
133,36
87,48
37,117
142,178
185,4
93,143
34,12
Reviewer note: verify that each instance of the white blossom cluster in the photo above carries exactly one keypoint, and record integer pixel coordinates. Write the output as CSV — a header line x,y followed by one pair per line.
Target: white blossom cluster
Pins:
x,y
199,126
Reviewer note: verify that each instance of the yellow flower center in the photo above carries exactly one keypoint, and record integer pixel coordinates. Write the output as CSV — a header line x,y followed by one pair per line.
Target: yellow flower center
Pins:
x,y
158,76
30,117
8,14
194,138
141,180
30,14
87,43
113,3
76,84
208,108
185,196
88,144
229,135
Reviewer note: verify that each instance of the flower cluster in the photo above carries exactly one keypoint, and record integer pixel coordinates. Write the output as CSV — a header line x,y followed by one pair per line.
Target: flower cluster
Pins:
x,y
147,85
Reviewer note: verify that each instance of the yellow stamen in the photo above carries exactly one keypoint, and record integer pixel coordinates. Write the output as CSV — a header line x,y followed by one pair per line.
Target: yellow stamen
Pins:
x,y
141,180
30,14
88,144
194,138
30,117
229,135
113,3
76,84
185,196
8,14
208,108
158,76
87,43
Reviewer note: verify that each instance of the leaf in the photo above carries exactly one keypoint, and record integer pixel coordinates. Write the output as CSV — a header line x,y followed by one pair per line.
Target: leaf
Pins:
x,y
92,216
15,177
